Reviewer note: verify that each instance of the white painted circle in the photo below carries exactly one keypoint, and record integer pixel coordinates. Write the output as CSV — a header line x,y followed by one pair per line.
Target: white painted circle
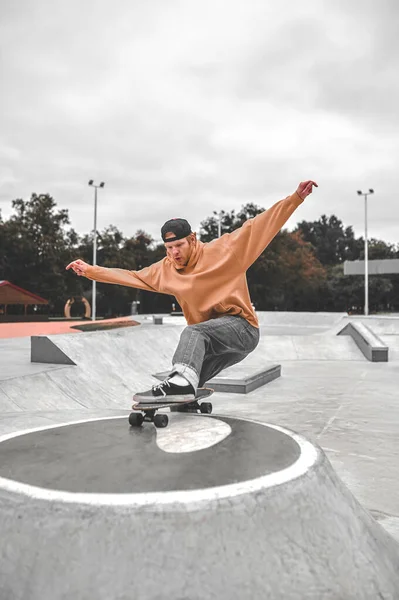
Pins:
x,y
308,457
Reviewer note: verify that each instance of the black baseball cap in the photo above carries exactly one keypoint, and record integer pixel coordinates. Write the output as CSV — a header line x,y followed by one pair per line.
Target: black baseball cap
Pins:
x,y
180,227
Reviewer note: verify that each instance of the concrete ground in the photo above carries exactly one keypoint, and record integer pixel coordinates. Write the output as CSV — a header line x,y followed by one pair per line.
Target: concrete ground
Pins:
x,y
349,407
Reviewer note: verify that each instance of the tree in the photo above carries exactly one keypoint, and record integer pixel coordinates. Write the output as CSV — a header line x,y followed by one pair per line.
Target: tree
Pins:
x,y
333,243
301,270
115,251
229,221
287,275
346,293
380,250
36,245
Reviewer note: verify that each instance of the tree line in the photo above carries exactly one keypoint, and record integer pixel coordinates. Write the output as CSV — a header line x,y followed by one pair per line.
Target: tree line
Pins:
x,y
300,270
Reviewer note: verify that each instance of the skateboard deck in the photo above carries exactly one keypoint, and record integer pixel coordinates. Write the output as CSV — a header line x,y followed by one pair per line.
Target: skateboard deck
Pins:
x,y
200,395
146,411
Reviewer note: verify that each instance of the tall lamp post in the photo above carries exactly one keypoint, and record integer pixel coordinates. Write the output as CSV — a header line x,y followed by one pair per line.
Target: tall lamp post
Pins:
x,y
219,217
101,185
366,252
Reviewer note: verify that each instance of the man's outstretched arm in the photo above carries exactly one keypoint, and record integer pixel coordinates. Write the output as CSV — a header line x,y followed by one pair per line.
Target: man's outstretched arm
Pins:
x,y
145,279
249,241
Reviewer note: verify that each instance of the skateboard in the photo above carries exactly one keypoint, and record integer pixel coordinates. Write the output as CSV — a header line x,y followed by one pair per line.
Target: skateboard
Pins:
x,y
148,412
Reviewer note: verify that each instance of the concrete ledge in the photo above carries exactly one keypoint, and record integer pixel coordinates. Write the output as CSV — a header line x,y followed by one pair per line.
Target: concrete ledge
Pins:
x,y
260,514
370,344
238,379
241,383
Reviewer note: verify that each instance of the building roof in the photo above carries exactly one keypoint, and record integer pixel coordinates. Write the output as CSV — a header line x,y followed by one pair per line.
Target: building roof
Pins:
x,y
384,266
12,294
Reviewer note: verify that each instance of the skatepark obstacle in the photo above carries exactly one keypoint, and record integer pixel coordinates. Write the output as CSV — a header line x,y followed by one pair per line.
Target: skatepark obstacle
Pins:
x,y
257,514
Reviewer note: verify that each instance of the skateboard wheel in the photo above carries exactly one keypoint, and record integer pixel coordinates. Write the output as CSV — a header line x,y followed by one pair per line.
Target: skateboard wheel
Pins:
x,y
136,419
161,420
206,407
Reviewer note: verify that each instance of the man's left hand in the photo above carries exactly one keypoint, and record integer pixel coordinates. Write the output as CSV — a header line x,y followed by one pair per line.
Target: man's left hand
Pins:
x,y
305,188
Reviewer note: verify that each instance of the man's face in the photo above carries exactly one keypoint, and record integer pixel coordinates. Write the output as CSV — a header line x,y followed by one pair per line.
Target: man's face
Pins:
x,y
179,250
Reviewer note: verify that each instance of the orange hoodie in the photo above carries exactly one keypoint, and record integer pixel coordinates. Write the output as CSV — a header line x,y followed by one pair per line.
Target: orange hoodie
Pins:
x,y
213,283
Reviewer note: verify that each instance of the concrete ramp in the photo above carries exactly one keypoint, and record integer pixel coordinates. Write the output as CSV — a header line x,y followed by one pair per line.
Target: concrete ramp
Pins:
x,y
372,347
392,341
380,325
321,320
313,336
387,328
101,369
384,330
306,347
137,351
109,366
305,336
254,511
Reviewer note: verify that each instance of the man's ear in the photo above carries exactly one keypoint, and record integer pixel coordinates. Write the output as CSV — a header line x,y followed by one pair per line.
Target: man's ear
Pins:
x,y
193,237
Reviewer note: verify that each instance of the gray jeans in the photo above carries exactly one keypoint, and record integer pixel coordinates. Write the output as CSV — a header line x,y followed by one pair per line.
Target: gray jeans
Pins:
x,y
207,348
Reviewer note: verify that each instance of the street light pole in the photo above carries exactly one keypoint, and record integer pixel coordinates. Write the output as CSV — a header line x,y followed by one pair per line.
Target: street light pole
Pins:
x,y
101,185
366,252
220,215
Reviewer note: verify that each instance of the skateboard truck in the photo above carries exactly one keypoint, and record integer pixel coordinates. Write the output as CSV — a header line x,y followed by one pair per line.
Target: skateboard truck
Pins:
x,y
148,412
136,419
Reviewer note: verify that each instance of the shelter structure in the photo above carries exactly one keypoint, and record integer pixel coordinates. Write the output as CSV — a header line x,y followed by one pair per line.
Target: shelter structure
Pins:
x,y
13,295
387,266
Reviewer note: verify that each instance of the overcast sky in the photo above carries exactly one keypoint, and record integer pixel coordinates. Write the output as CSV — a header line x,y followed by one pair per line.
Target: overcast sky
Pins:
x,y
183,107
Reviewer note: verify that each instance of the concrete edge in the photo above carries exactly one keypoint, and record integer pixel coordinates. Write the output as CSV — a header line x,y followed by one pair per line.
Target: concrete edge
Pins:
x,y
371,346
246,384
237,385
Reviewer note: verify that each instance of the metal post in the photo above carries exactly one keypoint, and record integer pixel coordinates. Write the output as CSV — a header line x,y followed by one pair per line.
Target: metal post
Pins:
x,y
366,261
93,315
91,182
366,252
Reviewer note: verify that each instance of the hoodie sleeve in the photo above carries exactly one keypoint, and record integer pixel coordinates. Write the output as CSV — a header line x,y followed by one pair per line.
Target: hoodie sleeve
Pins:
x,y
146,279
249,241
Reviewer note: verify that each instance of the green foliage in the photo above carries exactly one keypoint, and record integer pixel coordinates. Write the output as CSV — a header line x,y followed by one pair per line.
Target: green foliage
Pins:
x,y
287,275
343,293
303,270
333,243
229,221
35,246
379,250
299,270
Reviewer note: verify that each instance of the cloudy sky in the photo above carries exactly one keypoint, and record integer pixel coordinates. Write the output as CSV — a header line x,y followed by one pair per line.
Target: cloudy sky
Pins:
x,y
183,107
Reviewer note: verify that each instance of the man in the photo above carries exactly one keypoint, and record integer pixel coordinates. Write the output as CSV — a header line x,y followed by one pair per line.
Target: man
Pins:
x,y
209,282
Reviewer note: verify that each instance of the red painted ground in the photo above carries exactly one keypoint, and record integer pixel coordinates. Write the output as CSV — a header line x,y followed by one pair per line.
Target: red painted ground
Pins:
x,y
13,330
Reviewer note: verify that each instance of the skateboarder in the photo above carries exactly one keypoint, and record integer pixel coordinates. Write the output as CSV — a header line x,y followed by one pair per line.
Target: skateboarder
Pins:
x,y
209,282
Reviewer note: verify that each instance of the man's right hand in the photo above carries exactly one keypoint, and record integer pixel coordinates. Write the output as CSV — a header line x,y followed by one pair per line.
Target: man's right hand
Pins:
x,y
305,188
79,266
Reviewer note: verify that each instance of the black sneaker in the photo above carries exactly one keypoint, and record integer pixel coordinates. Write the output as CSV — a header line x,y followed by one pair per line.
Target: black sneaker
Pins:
x,y
165,392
